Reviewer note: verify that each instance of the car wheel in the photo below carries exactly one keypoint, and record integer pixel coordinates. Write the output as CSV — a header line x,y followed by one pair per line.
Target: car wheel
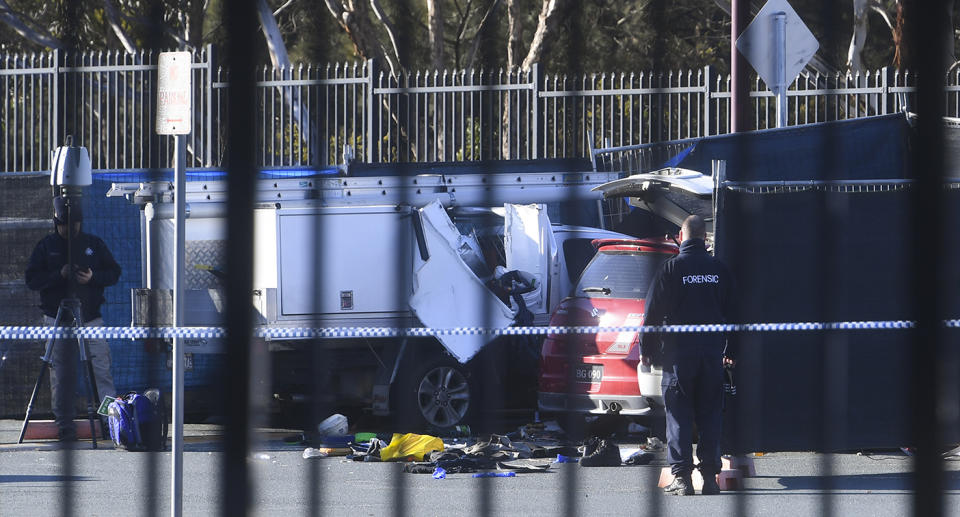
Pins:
x,y
439,394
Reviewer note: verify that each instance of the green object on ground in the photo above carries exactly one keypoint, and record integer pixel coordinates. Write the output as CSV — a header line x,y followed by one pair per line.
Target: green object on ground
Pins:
x,y
364,437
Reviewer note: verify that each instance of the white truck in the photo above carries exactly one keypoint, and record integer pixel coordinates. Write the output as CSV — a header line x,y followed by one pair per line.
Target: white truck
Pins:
x,y
368,254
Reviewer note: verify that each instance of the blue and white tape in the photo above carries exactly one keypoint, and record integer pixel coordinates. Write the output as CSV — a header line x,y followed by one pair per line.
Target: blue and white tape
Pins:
x,y
26,333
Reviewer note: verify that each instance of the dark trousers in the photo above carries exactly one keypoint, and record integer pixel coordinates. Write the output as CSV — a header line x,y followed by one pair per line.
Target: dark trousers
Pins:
x,y
64,378
693,390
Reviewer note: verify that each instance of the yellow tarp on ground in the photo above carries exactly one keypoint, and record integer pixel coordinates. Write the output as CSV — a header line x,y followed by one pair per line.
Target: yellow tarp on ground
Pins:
x,y
410,446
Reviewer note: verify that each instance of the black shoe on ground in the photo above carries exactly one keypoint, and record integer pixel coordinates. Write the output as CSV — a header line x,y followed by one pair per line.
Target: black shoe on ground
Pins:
x,y
681,485
590,446
606,455
710,486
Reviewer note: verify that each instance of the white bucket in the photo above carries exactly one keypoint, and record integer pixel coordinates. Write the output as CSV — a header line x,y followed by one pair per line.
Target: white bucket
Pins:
x,y
334,425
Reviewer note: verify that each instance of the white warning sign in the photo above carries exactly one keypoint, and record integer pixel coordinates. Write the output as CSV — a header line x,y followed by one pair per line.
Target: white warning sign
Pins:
x,y
174,101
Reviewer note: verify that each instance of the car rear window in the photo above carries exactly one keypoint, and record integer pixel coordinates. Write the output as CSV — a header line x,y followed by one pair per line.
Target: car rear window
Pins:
x,y
619,274
578,253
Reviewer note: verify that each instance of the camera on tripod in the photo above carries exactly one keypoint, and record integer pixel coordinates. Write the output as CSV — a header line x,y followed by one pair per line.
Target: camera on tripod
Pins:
x,y
70,171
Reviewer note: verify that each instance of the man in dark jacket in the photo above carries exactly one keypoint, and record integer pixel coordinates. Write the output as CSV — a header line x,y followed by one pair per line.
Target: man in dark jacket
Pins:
x,y
691,288
86,273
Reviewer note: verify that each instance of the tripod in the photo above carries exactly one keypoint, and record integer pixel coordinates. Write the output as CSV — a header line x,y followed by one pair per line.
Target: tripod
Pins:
x,y
69,310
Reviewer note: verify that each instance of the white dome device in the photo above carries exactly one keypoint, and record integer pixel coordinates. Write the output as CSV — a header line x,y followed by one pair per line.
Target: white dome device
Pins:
x,y
70,168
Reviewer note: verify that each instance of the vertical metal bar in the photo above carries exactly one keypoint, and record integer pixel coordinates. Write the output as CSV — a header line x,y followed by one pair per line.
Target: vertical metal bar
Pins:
x,y
16,121
591,134
262,97
179,288
33,114
140,94
466,117
929,225
689,104
208,106
646,134
241,23
739,87
535,137
275,126
111,107
125,101
286,131
369,137
705,120
605,134
6,116
780,89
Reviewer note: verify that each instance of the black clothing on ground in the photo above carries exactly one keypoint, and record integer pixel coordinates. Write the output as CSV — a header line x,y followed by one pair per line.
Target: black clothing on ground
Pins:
x,y
49,257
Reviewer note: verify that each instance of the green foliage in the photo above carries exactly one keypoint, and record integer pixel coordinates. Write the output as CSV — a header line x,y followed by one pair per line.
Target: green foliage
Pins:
x,y
593,35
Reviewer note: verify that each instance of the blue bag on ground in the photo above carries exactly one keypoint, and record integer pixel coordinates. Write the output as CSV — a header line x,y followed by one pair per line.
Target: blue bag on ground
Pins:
x,y
138,421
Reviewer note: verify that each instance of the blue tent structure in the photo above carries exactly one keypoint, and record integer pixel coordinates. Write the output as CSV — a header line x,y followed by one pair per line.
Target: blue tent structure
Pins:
x,y
841,253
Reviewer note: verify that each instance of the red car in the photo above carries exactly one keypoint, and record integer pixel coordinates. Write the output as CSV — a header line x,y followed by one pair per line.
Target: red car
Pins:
x,y
610,293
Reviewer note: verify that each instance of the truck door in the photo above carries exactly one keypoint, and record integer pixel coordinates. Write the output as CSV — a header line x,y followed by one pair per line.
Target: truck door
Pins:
x,y
530,246
446,292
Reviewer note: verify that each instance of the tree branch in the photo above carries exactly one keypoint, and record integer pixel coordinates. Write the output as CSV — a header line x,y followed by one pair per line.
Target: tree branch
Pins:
x,y
475,46
114,20
861,24
13,19
271,33
391,32
546,26
356,23
515,32
435,15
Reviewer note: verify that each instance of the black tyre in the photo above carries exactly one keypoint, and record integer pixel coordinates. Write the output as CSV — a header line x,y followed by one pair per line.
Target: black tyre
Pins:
x,y
437,393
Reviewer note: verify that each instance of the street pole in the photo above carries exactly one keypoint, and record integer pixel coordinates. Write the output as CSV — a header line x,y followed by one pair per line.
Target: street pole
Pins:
x,y
780,19
739,88
179,193
175,117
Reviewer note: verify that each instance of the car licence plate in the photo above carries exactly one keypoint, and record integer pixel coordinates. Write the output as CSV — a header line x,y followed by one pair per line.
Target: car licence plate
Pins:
x,y
589,373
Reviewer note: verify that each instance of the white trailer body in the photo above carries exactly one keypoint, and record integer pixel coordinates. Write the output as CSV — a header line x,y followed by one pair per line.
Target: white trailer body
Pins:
x,y
365,253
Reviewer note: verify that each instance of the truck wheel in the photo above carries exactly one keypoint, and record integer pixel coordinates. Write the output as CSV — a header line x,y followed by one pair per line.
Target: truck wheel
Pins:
x,y
438,394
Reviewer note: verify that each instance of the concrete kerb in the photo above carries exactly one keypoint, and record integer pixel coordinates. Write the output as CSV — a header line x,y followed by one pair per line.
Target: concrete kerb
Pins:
x,y
197,437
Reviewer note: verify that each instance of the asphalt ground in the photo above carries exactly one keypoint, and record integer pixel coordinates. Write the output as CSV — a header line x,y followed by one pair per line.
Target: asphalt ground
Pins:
x,y
113,482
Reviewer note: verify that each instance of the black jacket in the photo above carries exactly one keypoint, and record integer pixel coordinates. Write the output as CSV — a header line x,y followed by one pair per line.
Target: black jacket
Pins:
x,y
49,256
691,288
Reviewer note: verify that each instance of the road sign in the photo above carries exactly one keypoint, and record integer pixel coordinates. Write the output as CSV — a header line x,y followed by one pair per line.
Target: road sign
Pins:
x,y
174,101
758,44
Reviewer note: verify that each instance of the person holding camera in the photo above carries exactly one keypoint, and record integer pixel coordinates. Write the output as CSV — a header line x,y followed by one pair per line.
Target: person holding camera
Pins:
x,y
83,276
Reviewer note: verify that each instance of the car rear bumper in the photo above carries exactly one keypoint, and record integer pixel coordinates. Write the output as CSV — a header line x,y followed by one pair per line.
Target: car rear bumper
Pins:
x,y
594,404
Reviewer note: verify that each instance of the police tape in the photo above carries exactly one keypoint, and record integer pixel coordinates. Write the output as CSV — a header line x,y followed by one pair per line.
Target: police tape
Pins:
x,y
34,332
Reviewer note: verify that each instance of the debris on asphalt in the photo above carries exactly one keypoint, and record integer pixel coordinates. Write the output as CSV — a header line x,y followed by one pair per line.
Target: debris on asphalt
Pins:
x,y
531,448
410,447
600,452
495,474
335,424
653,444
311,452
639,457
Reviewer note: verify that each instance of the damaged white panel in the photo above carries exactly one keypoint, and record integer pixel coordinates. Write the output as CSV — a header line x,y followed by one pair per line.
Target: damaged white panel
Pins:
x,y
447,294
466,246
531,247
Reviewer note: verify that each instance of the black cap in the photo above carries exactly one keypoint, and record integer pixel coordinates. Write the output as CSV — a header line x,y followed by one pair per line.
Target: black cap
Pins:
x,y
60,211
